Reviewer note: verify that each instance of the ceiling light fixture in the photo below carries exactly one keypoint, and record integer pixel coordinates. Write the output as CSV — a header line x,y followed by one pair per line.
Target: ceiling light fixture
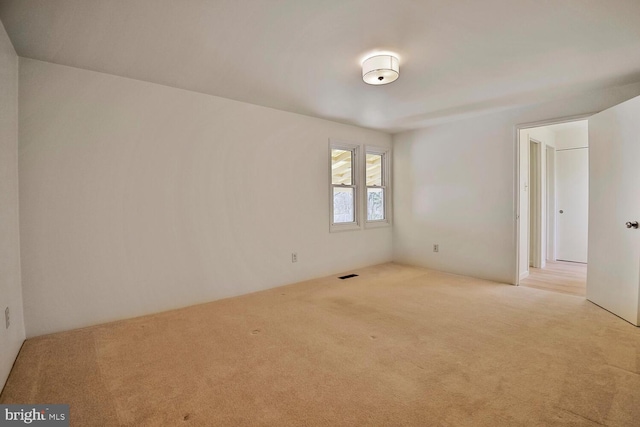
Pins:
x,y
380,69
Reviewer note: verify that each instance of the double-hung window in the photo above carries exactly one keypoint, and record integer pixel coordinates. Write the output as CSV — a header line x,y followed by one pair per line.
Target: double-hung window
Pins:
x,y
352,204
377,186
344,187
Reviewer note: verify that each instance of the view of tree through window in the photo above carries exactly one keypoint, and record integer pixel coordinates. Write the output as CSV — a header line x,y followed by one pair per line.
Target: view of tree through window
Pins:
x,y
343,186
375,187
343,205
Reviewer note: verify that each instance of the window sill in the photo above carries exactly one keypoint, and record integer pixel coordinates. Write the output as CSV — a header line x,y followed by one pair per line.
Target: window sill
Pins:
x,y
377,224
336,228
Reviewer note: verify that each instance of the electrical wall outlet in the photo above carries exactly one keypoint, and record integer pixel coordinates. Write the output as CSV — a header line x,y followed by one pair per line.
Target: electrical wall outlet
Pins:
x,y
294,257
7,319
436,248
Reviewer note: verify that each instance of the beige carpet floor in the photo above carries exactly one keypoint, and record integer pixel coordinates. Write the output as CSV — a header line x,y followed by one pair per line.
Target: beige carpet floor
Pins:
x,y
395,346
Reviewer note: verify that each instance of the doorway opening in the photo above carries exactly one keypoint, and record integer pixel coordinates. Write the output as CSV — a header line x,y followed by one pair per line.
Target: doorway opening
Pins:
x,y
553,195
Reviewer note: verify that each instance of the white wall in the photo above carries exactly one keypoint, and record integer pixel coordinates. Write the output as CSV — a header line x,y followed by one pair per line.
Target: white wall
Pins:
x,y
137,198
551,199
571,138
543,134
10,289
454,184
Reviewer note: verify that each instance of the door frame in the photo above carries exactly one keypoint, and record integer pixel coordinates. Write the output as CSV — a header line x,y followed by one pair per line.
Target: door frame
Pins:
x,y
535,208
516,172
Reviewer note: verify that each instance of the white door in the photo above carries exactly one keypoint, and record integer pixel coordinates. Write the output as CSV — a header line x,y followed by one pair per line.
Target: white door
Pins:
x,y
572,198
613,271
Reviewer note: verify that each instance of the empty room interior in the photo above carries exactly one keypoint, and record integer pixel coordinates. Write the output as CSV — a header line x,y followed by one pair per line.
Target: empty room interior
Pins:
x,y
300,212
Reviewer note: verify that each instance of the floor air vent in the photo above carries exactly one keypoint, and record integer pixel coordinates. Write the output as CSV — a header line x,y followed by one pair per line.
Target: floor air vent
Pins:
x,y
348,276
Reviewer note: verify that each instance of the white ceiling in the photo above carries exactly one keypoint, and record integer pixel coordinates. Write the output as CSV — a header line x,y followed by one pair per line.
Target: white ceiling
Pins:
x,y
458,57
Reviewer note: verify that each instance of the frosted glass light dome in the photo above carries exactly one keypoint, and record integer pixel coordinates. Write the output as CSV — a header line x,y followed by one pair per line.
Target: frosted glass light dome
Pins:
x,y
380,69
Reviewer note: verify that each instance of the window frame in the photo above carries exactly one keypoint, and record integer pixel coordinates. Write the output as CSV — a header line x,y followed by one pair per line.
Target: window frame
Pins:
x,y
386,186
355,180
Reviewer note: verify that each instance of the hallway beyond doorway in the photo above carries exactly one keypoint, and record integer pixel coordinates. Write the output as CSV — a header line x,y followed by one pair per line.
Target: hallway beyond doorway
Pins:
x,y
559,276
